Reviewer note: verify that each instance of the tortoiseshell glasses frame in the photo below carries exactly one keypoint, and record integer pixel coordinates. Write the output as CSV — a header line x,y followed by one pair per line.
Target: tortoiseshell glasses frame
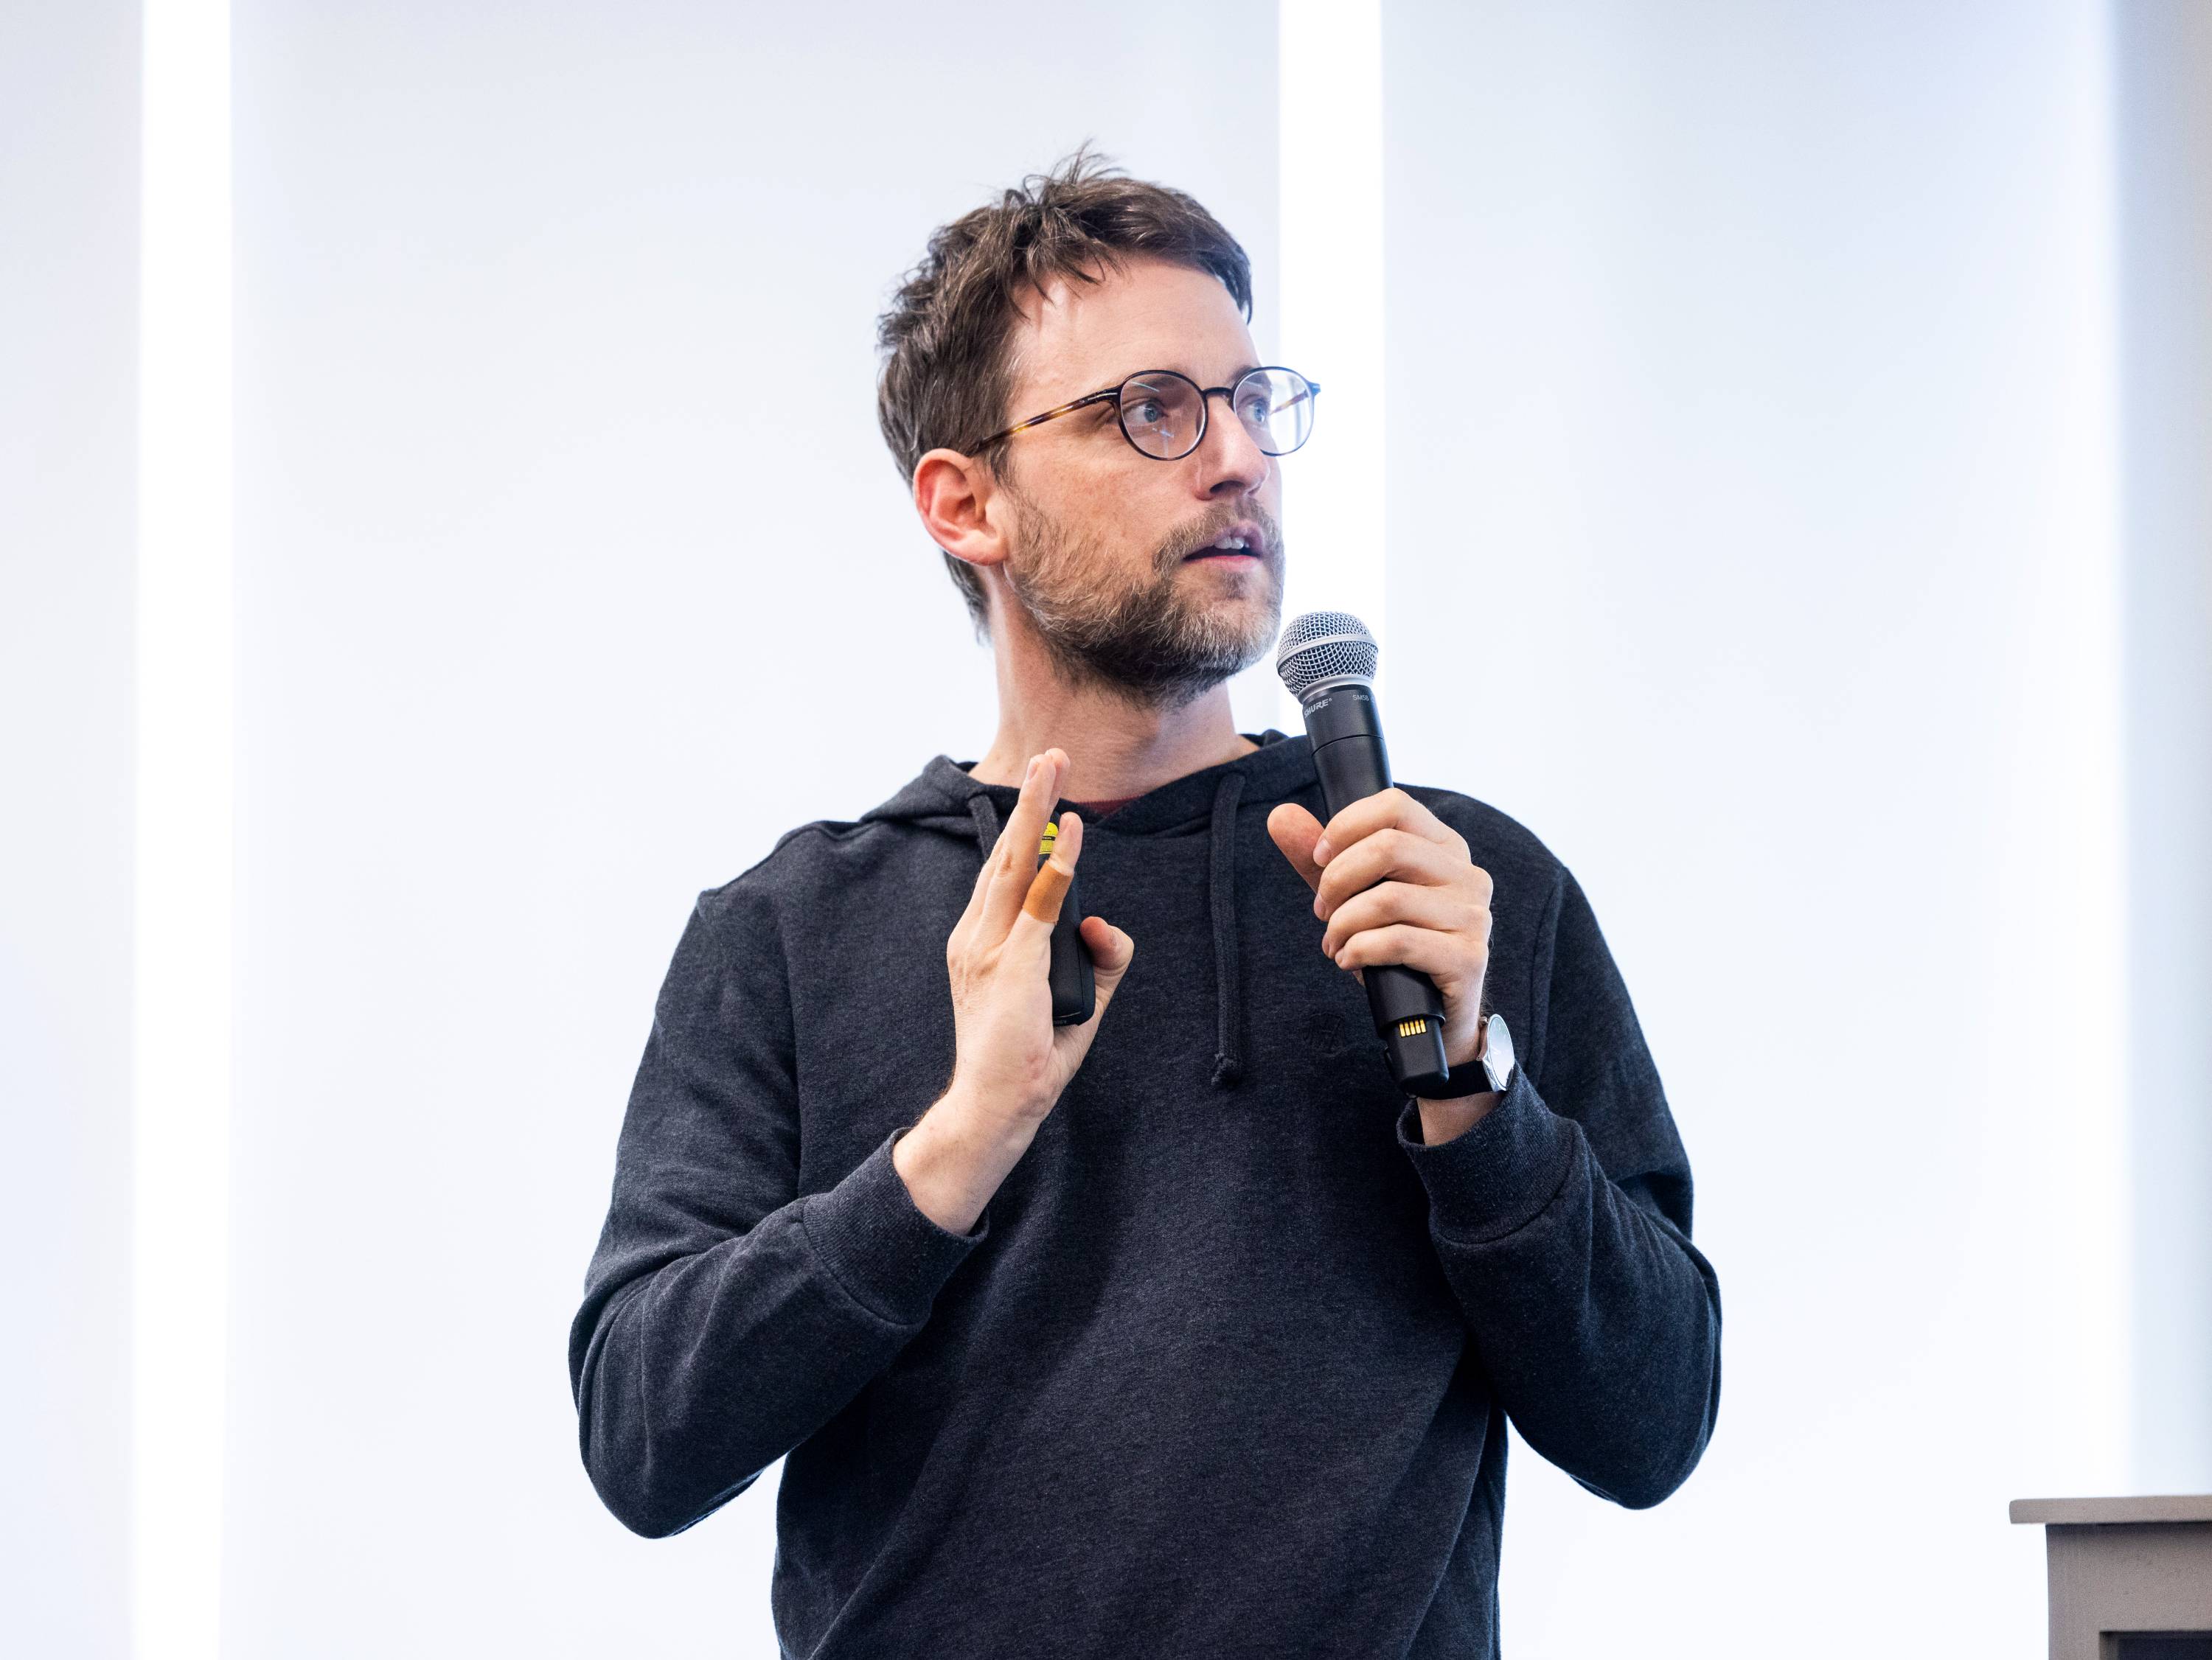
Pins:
x,y
1155,409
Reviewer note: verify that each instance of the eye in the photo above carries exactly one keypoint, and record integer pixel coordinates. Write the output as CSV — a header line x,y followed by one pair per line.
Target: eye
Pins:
x,y
1148,412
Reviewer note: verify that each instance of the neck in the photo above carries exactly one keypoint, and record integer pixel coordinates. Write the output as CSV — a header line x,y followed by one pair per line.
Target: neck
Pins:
x,y
1115,747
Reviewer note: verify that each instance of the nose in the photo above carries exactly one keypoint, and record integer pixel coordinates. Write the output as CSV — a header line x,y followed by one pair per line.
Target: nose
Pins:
x,y
1230,460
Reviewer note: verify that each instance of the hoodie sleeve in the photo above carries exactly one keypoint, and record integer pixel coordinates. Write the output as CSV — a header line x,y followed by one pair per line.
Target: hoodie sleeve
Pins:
x,y
727,1318
1563,1223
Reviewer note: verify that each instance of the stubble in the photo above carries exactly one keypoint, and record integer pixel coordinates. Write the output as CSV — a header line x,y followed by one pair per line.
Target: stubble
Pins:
x,y
1151,637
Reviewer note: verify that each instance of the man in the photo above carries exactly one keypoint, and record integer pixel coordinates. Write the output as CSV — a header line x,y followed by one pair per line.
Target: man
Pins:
x,y
1178,1331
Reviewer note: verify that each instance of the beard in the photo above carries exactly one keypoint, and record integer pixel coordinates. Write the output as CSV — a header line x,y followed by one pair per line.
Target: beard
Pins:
x,y
1145,636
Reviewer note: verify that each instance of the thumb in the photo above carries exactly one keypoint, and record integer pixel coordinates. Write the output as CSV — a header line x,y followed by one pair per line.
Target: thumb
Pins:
x,y
1296,831
1111,952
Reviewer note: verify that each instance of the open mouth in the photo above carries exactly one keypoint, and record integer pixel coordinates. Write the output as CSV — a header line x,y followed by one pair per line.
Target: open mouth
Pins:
x,y
1238,541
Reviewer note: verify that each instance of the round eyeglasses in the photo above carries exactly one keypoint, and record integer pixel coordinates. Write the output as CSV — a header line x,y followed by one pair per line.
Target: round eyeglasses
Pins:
x,y
1163,413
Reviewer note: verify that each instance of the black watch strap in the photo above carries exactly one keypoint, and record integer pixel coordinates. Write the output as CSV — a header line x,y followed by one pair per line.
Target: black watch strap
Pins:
x,y
1472,1078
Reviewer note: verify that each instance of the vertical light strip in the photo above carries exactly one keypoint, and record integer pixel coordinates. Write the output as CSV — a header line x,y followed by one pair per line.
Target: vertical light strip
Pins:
x,y
2161,99
2090,1132
1330,53
181,1014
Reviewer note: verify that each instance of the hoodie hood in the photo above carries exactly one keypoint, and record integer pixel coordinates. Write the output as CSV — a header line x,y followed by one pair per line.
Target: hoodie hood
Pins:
x,y
945,797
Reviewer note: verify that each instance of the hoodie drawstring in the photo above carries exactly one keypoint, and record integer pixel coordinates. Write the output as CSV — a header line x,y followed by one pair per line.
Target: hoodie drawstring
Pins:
x,y
986,823
1221,900
1221,895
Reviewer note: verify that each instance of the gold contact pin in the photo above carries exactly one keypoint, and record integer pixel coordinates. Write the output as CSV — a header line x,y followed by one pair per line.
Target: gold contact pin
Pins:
x,y
1413,1028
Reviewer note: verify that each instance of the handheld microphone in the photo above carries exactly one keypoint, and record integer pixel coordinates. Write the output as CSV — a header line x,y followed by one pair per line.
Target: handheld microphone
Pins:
x,y
1327,660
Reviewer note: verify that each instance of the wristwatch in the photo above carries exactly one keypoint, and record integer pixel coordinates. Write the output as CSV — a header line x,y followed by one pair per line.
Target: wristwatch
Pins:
x,y
1491,1069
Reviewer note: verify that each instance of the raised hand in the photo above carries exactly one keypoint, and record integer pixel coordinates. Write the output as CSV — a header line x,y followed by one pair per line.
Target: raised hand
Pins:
x,y
1013,1062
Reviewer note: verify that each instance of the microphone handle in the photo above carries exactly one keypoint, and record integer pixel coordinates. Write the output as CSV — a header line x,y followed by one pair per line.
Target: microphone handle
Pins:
x,y
1346,732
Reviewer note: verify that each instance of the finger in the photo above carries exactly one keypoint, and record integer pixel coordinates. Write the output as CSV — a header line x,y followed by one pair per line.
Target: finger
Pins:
x,y
1386,854
982,886
1049,888
1111,952
1387,808
1047,891
1444,909
1295,831
1013,859
1048,885
1443,957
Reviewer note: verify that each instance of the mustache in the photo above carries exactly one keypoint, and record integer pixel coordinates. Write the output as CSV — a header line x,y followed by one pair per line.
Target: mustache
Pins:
x,y
1203,533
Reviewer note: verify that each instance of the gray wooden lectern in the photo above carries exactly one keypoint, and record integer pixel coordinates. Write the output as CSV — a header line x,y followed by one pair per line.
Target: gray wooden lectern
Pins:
x,y
2130,1579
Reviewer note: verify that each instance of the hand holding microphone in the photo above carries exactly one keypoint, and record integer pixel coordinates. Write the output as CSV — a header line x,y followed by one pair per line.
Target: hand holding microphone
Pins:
x,y
1407,908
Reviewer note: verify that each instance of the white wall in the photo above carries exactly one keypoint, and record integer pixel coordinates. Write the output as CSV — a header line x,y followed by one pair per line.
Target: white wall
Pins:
x,y
572,571
1752,540
69,205
1756,536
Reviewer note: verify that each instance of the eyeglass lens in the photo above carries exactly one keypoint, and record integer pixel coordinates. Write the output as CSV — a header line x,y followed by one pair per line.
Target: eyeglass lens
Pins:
x,y
1162,412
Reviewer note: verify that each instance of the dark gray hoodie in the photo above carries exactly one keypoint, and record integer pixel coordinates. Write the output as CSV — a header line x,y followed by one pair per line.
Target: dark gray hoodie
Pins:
x,y
1224,1367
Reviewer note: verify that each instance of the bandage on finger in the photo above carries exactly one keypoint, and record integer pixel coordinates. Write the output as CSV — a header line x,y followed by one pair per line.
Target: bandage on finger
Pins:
x,y
1047,889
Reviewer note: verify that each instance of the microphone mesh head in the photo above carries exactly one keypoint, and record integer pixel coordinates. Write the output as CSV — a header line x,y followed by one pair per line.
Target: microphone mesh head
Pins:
x,y
1325,646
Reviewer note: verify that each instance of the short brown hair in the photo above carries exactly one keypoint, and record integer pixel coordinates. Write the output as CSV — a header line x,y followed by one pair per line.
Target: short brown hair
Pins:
x,y
947,372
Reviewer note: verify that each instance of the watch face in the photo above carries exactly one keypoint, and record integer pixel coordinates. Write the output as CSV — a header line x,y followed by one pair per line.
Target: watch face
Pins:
x,y
1498,1052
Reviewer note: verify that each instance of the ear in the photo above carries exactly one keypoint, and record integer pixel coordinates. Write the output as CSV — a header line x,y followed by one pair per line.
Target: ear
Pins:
x,y
952,494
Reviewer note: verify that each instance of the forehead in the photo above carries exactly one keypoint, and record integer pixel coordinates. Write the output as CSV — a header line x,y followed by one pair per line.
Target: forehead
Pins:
x,y
1076,337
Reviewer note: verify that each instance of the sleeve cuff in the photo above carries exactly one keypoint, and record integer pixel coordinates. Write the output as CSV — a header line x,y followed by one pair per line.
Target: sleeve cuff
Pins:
x,y
1497,1177
874,1239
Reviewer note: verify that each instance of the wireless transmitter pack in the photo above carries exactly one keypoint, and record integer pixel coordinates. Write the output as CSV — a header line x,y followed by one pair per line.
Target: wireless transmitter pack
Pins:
x,y
1074,993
